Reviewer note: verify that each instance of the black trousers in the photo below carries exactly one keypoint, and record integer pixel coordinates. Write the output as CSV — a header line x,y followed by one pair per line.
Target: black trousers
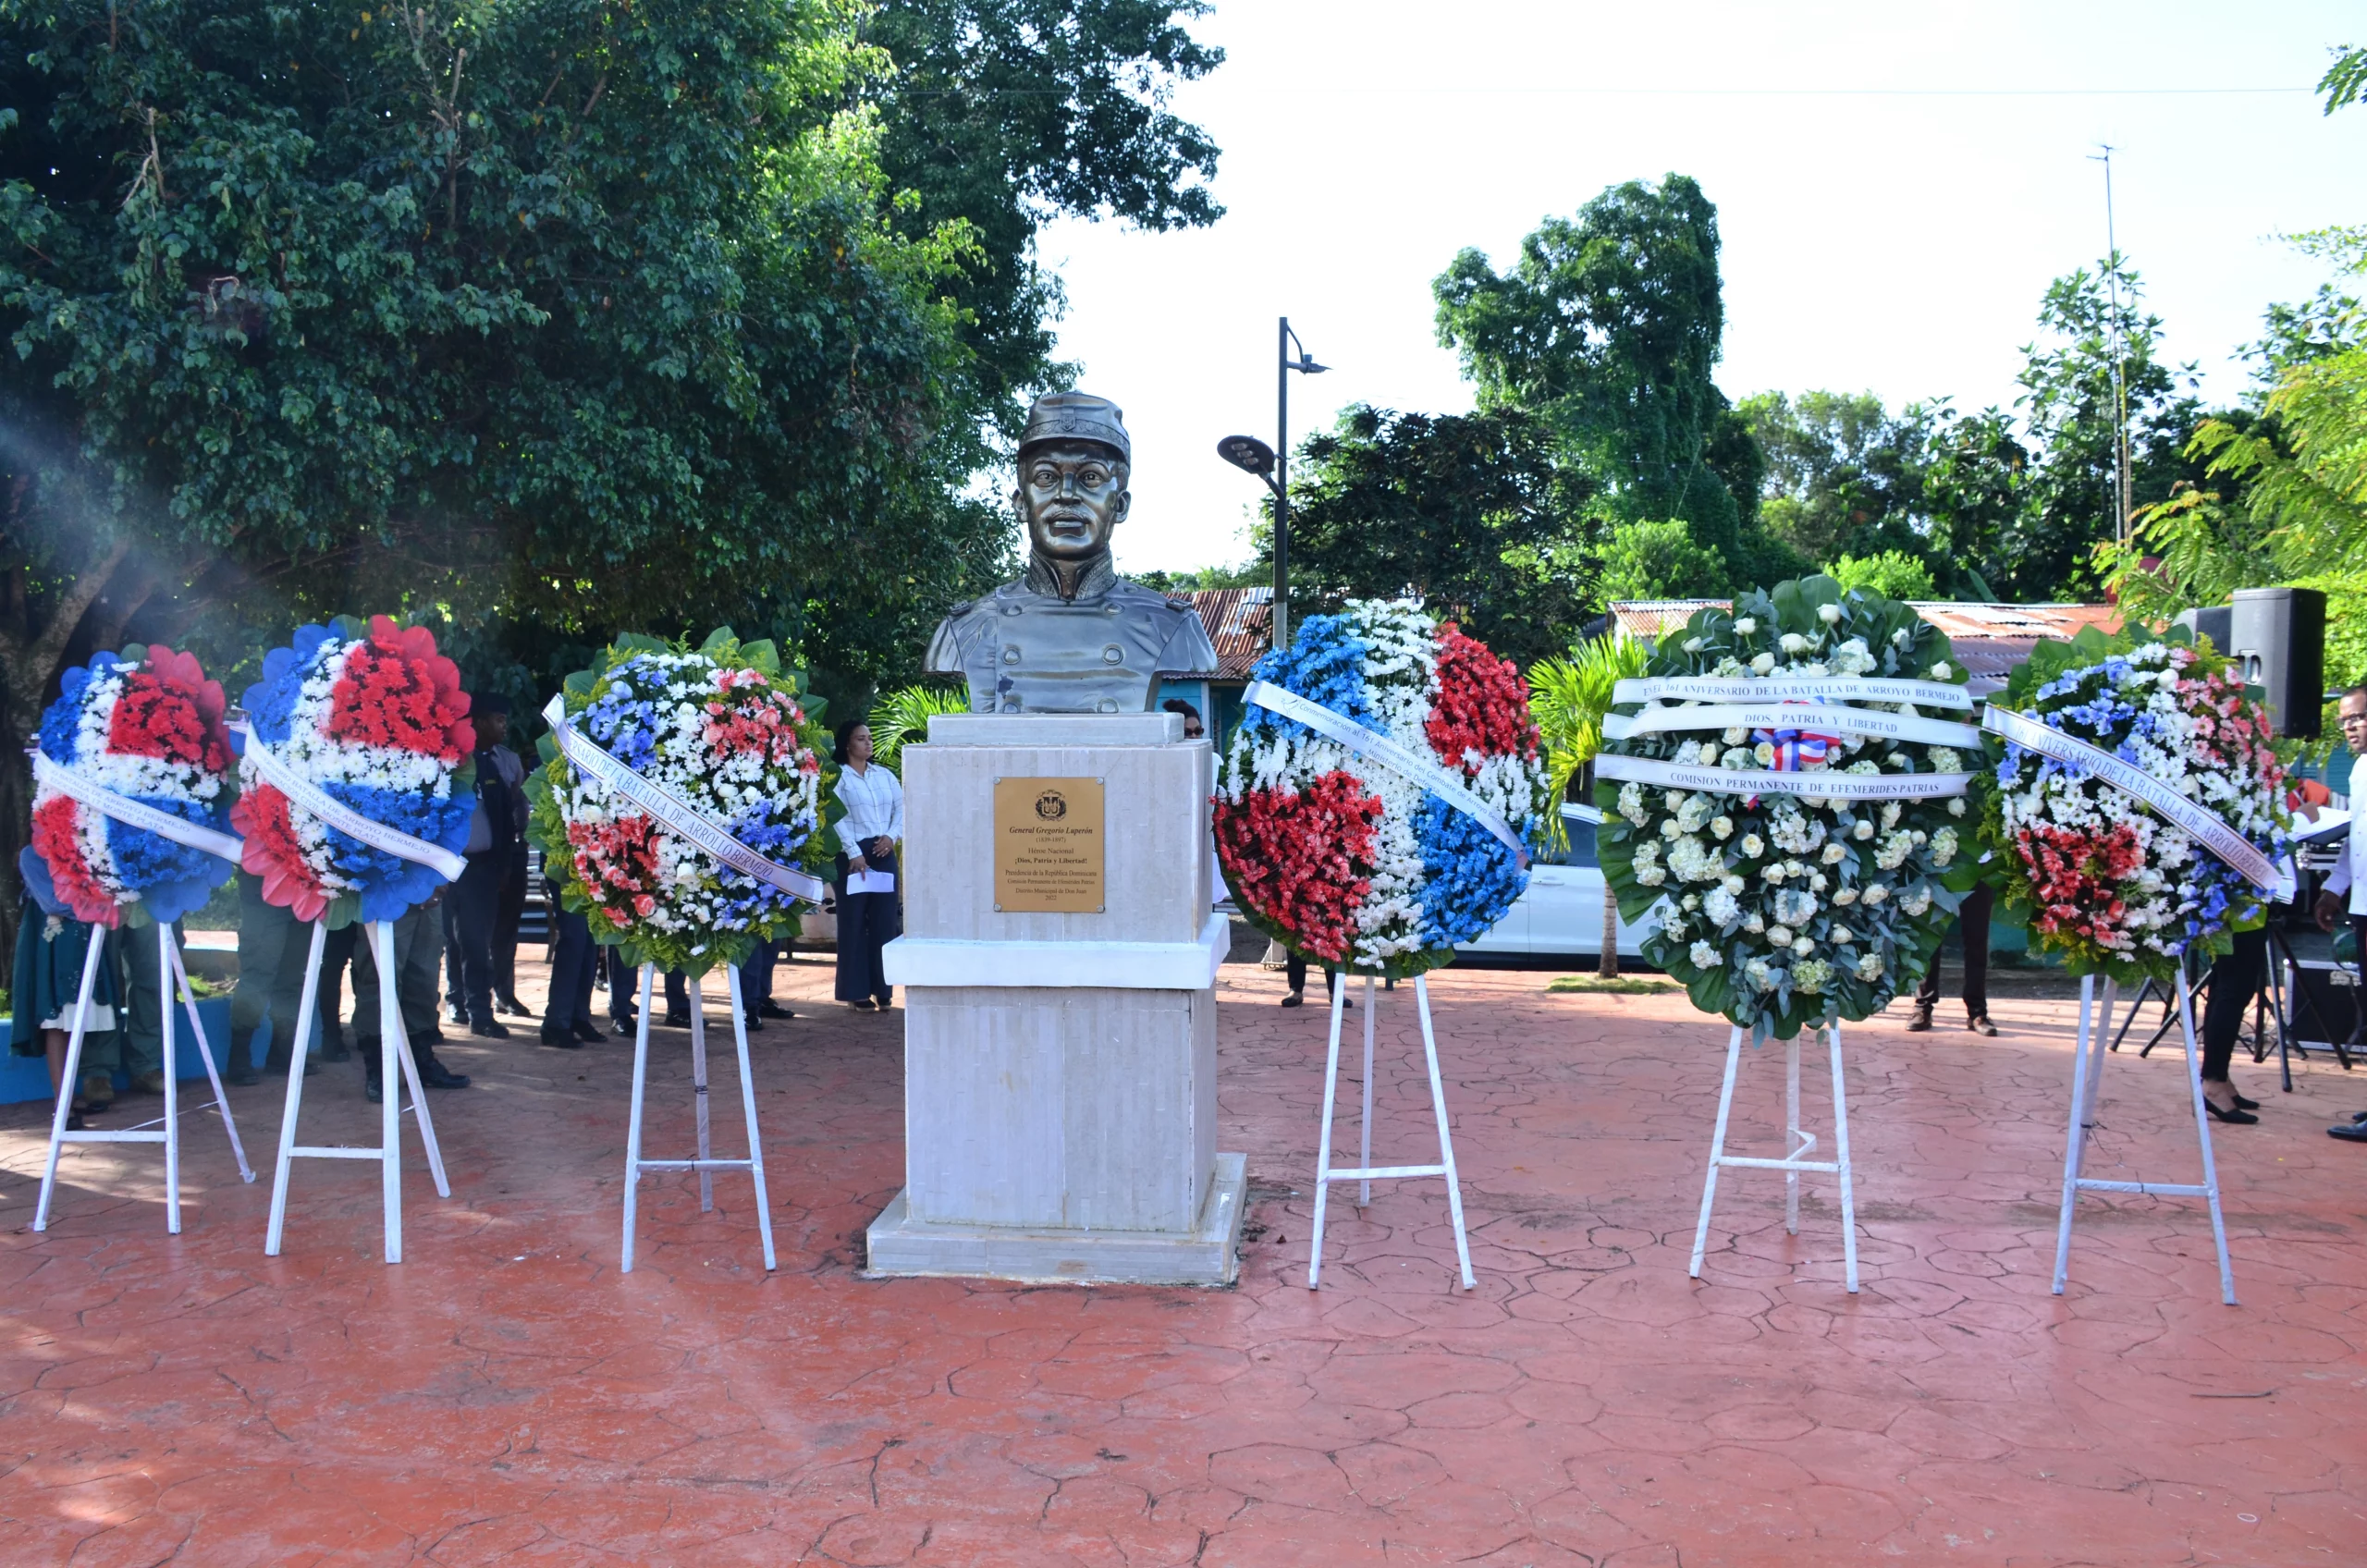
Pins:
x,y
868,923
508,911
1972,920
573,959
476,902
624,985
2236,979
1294,971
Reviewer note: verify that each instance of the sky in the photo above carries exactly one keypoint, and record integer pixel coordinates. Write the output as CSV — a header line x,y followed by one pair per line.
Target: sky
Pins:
x,y
1895,186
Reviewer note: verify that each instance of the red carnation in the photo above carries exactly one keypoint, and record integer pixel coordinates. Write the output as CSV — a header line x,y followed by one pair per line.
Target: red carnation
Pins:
x,y
1481,705
55,841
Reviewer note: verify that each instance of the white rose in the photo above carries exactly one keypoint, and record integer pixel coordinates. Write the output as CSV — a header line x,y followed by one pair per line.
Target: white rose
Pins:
x,y
1902,637
1754,923
1746,626
1956,807
1842,933
1693,645
1751,846
1721,828
1793,644
1864,830
1802,946
1875,894
1737,735
1764,753
1707,957
1832,853
1732,884
1668,827
1774,873
1941,671
1779,936
1763,663
1845,896
1829,614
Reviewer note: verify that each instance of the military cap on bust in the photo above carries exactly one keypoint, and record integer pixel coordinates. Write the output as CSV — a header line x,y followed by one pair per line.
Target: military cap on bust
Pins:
x,y
1078,416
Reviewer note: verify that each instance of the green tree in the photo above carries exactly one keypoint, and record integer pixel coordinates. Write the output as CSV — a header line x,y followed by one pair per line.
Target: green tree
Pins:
x,y
1661,560
2068,493
1607,327
555,315
1469,512
1003,114
1569,697
1842,475
1894,574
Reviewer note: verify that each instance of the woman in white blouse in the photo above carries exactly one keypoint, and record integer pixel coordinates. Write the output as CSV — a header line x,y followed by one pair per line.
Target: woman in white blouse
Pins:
x,y
868,834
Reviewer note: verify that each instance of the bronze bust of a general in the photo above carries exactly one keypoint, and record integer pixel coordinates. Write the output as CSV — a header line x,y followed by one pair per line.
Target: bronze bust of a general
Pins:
x,y
1072,636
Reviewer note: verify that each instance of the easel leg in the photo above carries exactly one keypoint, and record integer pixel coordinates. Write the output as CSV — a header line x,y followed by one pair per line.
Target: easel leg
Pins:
x,y
2096,1051
69,1078
2075,1139
164,986
2203,1133
278,1227
1364,1189
1792,1134
427,1125
1717,1151
390,1088
1841,1155
633,1126
1438,1108
748,1104
1323,1144
205,1054
698,1093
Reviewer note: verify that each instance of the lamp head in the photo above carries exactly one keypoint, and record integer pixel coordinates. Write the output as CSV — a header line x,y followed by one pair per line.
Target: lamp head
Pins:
x,y
1247,453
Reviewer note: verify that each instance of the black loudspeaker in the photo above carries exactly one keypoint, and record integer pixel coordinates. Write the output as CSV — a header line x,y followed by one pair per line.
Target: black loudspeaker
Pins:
x,y
2210,621
2278,637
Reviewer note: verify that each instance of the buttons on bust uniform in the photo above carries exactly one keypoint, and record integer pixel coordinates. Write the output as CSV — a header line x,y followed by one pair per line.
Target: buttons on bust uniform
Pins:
x,y
1107,704
1112,654
1011,655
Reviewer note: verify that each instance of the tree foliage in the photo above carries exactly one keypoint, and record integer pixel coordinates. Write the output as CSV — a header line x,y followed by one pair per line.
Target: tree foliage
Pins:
x,y
1894,574
1001,113
1470,512
1661,559
1607,328
1843,476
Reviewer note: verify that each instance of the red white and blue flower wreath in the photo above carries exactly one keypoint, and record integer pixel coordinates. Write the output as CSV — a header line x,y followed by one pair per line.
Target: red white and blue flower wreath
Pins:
x,y
1377,804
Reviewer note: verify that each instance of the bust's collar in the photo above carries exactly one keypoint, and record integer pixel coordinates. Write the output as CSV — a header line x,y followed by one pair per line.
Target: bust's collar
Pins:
x,y
1089,579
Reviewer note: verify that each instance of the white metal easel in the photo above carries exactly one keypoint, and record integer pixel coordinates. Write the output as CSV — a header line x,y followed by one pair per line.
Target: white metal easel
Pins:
x,y
172,979
2087,1075
1794,1161
394,1047
1366,1171
707,1165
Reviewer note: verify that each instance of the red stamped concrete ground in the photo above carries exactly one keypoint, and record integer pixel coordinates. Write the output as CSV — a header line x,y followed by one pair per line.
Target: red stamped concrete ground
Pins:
x,y
506,1395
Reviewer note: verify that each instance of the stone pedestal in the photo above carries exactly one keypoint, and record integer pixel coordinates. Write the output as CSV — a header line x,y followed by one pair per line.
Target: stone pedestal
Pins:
x,y
1060,1068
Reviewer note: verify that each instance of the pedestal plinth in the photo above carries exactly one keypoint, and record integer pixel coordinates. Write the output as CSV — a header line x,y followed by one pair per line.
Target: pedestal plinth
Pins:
x,y
1060,1062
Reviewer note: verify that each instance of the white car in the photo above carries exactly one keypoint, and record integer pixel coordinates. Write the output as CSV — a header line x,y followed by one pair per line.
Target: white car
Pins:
x,y
1561,910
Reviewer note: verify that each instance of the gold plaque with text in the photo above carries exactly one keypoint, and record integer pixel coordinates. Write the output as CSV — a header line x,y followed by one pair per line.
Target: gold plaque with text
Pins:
x,y
1048,846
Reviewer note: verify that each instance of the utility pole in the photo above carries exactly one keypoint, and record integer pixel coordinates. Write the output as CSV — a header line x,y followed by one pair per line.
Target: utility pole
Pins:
x,y
2119,359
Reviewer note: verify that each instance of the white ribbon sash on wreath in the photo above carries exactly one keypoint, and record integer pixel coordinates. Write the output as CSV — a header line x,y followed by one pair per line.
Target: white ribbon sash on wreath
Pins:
x,y
134,814
673,813
1380,748
1777,715
344,819
1790,688
1823,783
2239,853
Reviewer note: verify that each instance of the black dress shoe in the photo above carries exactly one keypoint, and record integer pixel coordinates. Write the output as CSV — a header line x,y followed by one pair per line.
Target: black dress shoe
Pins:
x,y
435,1075
1980,1025
243,1074
589,1034
513,1007
371,1091
678,1020
623,1028
755,1024
491,1029
2350,1132
771,1008
1296,999
2237,1117
563,1039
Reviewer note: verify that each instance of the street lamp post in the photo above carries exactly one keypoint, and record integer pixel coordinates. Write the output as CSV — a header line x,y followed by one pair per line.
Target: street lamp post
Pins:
x,y
1272,465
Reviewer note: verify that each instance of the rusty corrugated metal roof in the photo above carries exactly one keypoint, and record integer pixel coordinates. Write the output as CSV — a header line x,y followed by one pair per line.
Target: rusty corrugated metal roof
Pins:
x,y
1241,624
1650,618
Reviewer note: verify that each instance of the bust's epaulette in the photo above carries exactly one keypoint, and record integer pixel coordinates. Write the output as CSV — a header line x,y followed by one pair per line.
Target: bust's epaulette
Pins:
x,y
964,608
1178,602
